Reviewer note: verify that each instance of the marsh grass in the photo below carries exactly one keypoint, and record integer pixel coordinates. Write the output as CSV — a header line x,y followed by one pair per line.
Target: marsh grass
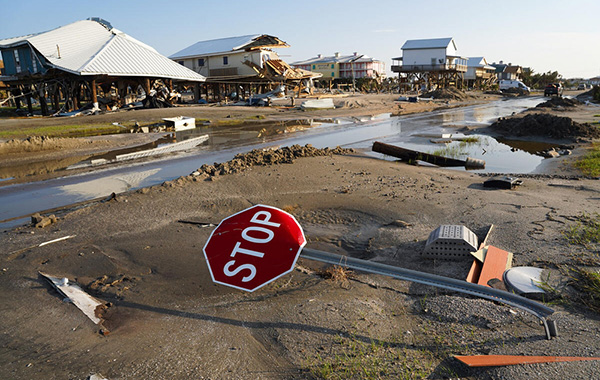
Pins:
x,y
457,149
589,164
64,131
586,232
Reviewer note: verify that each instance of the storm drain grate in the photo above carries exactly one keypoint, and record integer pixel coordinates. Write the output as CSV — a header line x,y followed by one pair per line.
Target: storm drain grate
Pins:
x,y
450,242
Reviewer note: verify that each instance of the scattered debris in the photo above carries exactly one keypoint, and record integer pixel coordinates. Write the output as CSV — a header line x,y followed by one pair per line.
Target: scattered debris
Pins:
x,y
451,93
412,156
489,265
339,275
180,123
503,182
524,280
399,223
84,302
450,242
258,157
175,147
14,254
96,376
501,360
199,224
39,221
320,104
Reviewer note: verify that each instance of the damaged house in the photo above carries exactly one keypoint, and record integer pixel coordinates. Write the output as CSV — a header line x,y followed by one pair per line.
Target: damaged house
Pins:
x,y
91,62
241,65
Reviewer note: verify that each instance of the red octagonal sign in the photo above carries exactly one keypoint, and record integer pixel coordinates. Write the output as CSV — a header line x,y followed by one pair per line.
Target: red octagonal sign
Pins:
x,y
254,247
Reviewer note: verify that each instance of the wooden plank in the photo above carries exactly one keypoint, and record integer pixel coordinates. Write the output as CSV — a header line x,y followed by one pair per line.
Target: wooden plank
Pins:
x,y
501,360
495,263
474,272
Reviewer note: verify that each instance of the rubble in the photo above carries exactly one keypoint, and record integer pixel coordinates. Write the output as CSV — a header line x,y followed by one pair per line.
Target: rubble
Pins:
x,y
258,157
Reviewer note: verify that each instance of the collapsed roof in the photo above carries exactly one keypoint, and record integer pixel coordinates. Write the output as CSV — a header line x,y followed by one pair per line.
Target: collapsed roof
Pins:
x,y
93,47
226,45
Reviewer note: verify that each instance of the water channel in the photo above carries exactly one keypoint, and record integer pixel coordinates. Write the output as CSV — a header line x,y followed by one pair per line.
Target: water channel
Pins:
x,y
23,199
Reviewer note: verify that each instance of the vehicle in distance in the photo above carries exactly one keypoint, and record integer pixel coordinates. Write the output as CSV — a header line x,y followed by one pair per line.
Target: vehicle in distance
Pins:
x,y
515,85
553,89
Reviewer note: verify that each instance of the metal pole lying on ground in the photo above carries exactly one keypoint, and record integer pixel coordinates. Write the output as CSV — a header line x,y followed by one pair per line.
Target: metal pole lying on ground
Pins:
x,y
532,307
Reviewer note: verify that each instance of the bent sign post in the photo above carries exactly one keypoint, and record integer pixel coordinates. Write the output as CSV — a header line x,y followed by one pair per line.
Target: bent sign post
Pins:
x,y
262,243
254,247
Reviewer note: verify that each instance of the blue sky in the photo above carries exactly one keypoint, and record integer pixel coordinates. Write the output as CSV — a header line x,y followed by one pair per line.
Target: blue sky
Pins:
x,y
545,35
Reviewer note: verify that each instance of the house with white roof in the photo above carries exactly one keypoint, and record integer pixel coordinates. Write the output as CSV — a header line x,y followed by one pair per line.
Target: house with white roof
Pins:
x,y
431,62
76,60
479,73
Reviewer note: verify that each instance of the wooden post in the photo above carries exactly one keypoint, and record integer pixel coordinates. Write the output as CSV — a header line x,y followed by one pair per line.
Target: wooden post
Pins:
x,y
94,91
42,97
28,98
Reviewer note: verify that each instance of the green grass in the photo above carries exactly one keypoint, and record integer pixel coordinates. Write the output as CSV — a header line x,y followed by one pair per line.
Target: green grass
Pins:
x,y
456,149
355,359
589,164
586,232
588,284
63,131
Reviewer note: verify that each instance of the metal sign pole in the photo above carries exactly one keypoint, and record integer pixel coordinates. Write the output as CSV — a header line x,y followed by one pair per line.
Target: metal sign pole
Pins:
x,y
532,307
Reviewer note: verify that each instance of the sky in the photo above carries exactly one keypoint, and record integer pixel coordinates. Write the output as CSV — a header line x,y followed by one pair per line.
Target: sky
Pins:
x,y
546,35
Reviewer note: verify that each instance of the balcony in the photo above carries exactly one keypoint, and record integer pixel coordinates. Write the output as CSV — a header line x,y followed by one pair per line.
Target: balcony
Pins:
x,y
429,68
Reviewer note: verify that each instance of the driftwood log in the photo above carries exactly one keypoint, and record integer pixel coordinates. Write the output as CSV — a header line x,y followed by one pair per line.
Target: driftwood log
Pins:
x,y
412,156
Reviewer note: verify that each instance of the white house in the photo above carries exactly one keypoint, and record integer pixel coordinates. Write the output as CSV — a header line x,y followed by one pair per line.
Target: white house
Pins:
x,y
436,54
430,63
479,72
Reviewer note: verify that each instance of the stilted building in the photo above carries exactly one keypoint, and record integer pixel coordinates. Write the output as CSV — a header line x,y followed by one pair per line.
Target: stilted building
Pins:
x,y
430,64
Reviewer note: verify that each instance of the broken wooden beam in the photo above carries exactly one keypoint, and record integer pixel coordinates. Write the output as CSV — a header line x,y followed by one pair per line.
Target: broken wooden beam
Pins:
x,y
413,155
501,360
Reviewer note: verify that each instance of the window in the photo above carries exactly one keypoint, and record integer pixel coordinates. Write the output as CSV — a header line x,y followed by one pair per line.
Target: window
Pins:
x,y
314,67
225,60
200,62
332,74
17,60
181,63
332,65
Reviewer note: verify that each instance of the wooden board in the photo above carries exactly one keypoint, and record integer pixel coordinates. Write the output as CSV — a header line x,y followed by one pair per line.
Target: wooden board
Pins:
x,y
496,261
84,302
501,360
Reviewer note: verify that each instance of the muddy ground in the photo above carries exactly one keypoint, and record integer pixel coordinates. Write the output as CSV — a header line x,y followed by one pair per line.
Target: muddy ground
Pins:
x,y
141,252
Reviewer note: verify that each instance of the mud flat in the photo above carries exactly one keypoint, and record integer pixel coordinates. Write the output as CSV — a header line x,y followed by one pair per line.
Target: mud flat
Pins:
x,y
166,319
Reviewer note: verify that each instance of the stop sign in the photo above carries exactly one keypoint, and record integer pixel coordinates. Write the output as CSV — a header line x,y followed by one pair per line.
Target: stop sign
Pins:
x,y
254,247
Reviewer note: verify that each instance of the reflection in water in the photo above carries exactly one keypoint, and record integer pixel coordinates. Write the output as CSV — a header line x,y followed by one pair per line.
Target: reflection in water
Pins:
x,y
112,184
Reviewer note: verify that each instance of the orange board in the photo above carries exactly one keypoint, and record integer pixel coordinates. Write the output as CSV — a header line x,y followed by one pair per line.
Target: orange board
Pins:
x,y
500,360
495,263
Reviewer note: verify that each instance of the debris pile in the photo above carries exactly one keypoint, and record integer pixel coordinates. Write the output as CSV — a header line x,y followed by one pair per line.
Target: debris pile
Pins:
x,y
39,221
258,157
447,93
545,125
559,102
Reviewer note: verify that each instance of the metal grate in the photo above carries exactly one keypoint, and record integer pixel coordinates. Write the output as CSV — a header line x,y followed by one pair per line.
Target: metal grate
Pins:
x,y
450,242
